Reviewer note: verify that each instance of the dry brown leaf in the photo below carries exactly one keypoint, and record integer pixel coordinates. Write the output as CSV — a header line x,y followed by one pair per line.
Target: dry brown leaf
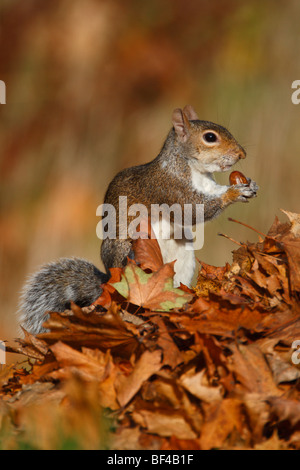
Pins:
x,y
132,438
164,422
285,409
292,249
197,385
223,419
223,322
283,370
258,414
148,364
273,443
103,331
252,371
89,365
164,390
172,355
295,222
6,373
147,252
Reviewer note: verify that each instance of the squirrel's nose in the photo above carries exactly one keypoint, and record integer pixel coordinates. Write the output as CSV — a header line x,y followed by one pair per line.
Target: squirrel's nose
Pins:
x,y
242,154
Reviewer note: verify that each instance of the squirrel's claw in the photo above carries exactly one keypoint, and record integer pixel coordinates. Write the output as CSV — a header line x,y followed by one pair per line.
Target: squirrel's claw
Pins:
x,y
247,191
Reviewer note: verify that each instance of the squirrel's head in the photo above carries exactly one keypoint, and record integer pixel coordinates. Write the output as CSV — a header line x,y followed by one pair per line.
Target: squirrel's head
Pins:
x,y
211,145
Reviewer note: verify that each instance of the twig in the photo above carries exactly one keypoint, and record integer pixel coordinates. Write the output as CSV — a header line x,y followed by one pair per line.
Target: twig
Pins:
x,y
231,239
246,225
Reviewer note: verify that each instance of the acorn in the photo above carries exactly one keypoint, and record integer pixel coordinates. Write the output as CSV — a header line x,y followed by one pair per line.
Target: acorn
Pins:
x,y
236,177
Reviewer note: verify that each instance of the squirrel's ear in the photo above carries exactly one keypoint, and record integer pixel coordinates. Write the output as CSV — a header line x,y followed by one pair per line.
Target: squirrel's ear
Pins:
x,y
181,124
190,112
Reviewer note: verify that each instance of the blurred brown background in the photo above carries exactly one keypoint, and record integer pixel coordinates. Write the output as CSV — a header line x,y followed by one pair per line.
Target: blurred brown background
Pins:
x,y
90,90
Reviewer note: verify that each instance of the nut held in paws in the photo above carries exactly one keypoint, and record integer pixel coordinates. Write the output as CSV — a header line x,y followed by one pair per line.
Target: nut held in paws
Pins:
x,y
236,177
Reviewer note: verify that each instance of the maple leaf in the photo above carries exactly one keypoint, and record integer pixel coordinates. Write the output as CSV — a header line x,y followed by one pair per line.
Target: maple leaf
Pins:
x,y
154,291
147,252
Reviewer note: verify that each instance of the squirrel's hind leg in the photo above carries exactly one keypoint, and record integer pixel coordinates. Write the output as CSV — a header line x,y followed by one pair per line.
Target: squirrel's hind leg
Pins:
x,y
114,253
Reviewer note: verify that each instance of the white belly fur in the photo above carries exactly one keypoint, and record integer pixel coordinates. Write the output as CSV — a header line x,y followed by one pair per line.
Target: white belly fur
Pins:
x,y
177,250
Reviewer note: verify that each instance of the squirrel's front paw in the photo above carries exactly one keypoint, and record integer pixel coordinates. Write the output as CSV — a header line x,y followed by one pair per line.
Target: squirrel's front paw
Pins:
x,y
247,191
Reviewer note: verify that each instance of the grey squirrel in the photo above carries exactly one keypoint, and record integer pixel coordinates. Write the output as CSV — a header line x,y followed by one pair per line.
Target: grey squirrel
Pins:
x,y
182,173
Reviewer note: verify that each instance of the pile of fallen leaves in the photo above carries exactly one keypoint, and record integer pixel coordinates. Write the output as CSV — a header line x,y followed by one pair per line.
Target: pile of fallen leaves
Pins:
x,y
149,366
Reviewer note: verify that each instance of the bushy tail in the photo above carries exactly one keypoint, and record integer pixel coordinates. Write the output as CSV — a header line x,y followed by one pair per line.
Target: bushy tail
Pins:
x,y
54,286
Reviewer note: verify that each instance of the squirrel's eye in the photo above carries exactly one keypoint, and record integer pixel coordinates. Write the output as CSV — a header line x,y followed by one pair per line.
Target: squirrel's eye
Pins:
x,y
210,137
